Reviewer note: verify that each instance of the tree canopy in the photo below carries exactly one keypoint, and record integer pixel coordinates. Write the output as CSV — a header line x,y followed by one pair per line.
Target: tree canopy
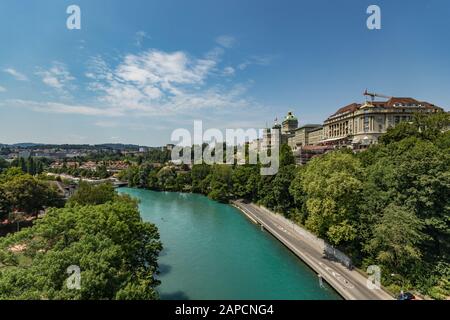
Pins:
x,y
116,253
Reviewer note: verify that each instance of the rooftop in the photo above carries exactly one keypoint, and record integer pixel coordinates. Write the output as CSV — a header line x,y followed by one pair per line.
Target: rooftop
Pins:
x,y
393,102
290,116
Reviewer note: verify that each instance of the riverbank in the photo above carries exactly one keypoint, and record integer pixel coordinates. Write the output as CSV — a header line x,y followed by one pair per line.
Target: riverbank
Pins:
x,y
212,251
350,284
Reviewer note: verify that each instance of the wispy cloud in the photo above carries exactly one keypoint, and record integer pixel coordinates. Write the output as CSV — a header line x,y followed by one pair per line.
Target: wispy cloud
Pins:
x,y
155,82
228,71
226,41
256,60
16,74
140,37
62,108
82,44
2,89
57,77
151,83
106,124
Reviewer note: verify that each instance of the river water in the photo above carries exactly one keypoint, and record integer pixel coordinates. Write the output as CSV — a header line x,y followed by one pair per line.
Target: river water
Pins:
x,y
212,251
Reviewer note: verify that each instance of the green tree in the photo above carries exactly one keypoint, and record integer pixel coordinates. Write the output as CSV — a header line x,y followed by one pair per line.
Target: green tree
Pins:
x,y
423,126
102,172
5,204
220,183
90,194
167,179
3,165
115,250
332,184
275,190
30,166
286,156
396,238
199,173
245,181
23,165
183,181
28,194
299,197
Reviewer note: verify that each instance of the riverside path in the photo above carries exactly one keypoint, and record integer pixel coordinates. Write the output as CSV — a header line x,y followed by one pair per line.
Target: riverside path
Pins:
x,y
350,284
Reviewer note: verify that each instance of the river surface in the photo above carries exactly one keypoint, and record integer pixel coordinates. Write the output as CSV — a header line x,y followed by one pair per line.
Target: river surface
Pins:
x,y
212,251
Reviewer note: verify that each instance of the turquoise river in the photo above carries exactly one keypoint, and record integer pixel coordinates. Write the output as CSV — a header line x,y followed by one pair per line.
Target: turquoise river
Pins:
x,y
212,251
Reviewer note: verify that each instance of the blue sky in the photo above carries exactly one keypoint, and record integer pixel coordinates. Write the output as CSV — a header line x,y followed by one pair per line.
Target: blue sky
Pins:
x,y
137,70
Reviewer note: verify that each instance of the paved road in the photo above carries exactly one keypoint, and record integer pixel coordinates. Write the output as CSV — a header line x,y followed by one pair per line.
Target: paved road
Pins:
x,y
349,283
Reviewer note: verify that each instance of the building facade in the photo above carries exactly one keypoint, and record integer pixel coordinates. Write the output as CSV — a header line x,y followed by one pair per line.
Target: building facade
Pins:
x,y
356,126
359,125
301,136
289,124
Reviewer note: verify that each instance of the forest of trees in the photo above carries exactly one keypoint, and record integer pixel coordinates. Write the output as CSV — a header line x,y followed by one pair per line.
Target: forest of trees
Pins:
x,y
22,192
31,165
388,205
98,231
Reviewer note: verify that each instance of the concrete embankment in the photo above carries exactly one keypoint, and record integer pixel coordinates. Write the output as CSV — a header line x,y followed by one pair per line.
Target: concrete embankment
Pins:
x,y
350,284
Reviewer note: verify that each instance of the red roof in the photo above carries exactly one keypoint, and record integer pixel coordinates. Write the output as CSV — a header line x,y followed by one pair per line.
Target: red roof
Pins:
x,y
350,108
391,103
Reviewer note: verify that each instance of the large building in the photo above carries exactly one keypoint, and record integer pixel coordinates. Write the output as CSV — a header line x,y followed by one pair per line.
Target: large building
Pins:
x,y
359,125
301,136
356,126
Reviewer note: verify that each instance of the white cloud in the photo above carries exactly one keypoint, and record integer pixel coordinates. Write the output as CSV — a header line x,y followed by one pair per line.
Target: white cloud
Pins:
x,y
228,71
17,75
255,60
57,77
157,82
2,89
139,38
82,44
106,124
151,83
62,108
226,41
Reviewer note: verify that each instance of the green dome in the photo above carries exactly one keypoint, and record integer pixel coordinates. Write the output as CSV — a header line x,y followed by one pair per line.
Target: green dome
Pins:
x,y
290,116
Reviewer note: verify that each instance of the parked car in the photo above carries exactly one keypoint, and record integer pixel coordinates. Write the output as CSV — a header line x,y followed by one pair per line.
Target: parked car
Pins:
x,y
406,296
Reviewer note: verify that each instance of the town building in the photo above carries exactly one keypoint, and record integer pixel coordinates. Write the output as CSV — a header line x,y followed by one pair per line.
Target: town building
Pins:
x,y
359,125
301,136
356,126
289,124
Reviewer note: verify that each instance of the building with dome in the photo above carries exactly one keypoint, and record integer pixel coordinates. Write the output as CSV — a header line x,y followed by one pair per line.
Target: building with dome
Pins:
x,y
360,125
356,126
289,124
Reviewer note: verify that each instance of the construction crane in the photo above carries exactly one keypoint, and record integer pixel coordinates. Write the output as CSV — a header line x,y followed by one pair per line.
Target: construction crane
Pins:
x,y
373,95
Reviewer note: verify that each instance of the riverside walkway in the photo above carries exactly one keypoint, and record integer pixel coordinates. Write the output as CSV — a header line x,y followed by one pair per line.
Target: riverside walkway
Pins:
x,y
350,284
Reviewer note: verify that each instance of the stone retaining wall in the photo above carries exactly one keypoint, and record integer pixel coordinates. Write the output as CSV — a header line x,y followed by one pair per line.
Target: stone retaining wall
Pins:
x,y
330,251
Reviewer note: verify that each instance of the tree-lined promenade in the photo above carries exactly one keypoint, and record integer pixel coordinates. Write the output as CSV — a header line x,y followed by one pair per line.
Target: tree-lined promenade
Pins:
x,y
387,206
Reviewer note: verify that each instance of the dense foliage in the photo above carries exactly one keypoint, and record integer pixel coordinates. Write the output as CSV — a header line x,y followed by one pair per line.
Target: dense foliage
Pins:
x,y
31,165
25,193
105,237
388,205
100,172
